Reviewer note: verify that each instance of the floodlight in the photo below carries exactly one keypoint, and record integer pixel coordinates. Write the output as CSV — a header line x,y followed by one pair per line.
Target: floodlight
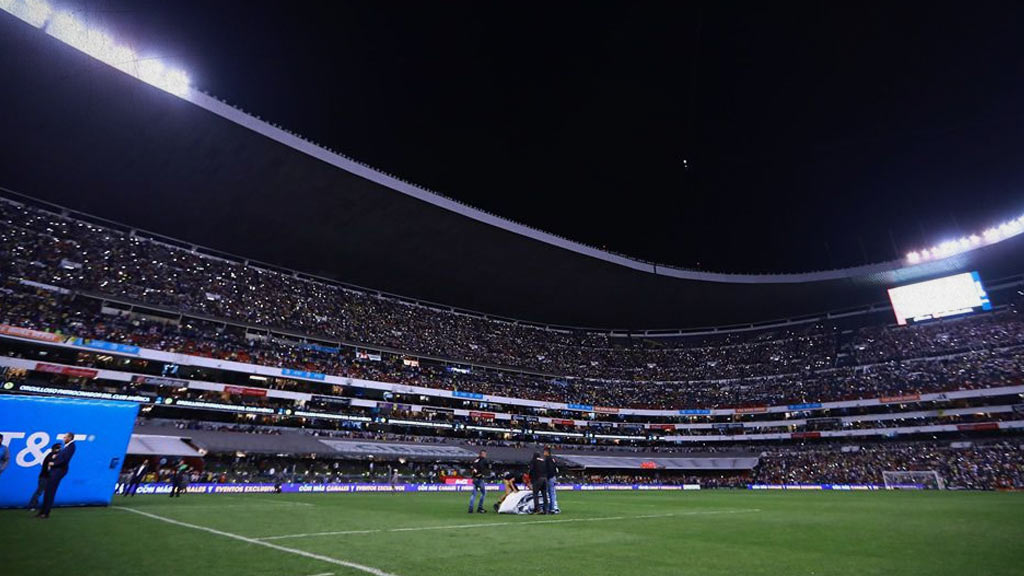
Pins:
x,y
1007,229
35,12
150,71
74,32
66,28
176,82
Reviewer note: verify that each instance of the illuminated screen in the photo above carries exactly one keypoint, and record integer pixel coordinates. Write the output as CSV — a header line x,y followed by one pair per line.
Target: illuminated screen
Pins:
x,y
938,298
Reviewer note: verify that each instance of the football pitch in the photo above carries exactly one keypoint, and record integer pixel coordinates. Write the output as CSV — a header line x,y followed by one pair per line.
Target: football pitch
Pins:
x,y
699,533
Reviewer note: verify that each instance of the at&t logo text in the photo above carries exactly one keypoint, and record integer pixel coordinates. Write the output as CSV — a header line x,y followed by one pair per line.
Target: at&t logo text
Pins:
x,y
37,444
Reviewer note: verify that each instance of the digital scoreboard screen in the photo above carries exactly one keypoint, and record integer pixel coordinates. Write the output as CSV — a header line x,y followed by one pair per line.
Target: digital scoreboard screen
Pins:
x,y
947,296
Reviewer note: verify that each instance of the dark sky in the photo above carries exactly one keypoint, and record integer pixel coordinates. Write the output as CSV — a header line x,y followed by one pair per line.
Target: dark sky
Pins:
x,y
729,136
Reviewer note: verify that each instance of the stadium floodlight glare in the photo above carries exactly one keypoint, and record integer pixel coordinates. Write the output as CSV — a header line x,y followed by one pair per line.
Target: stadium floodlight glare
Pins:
x,y
95,43
1007,229
71,30
35,12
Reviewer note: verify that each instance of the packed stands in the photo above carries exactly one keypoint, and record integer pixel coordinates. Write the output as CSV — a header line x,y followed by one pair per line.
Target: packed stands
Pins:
x,y
981,352
63,275
982,467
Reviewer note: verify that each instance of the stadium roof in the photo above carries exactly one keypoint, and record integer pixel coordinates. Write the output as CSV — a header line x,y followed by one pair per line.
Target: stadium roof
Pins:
x,y
86,136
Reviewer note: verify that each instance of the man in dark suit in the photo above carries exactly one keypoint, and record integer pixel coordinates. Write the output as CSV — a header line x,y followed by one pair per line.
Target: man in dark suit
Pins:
x,y
58,470
138,474
44,476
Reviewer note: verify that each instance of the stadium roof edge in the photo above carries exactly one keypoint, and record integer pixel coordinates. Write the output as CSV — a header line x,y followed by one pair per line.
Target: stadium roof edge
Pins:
x,y
269,130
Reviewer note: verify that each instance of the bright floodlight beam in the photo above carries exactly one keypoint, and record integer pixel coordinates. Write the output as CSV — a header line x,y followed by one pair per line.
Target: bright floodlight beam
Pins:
x,y
35,12
65,27
1007,229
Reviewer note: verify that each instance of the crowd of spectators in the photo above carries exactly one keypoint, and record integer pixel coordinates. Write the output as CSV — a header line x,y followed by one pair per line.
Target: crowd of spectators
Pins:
x,y
986,365
39,249
44,247
974,467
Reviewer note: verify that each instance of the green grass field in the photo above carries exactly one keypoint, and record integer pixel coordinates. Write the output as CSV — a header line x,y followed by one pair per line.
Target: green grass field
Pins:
x,y
699,533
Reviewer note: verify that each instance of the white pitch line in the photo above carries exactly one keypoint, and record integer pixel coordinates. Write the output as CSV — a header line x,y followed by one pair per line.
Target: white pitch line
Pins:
x,y
510,524
328,559
339,533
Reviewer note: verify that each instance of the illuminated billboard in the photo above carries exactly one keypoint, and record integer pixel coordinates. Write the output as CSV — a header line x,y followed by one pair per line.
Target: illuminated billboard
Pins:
x,y
938,298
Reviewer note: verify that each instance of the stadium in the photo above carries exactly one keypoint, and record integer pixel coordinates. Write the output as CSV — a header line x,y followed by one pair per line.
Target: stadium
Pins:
x,y
227,348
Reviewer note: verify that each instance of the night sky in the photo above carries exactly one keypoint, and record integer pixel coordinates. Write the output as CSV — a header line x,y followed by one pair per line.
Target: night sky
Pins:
x,y
726,136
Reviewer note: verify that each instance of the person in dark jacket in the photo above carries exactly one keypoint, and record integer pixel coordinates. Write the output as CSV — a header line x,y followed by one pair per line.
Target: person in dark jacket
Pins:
x,y
551,469
539,475
179,482
44,476
58,470
479,469
5,455
138,475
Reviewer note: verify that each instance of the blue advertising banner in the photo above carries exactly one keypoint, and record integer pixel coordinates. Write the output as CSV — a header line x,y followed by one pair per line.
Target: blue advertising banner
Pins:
x,y
694,412
805,406
584,407
30,425
106,346
472,395
319,348
303,374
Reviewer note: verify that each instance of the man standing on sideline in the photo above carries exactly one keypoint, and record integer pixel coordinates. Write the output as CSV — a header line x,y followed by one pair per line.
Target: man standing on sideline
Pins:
x,y
551,467
539,475
58,470
394,480
5,455
44,476
179,482
136,478
480,469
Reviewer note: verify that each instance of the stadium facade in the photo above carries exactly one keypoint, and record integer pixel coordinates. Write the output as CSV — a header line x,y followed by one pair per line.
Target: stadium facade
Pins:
x,y
229,311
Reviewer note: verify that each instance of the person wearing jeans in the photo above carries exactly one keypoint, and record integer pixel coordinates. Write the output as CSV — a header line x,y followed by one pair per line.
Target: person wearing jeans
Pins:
x,y
479,469
551,471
